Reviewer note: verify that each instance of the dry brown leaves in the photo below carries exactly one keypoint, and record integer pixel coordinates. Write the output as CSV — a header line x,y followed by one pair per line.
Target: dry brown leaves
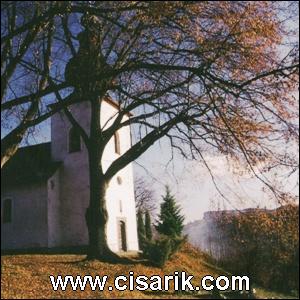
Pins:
x,y
27,276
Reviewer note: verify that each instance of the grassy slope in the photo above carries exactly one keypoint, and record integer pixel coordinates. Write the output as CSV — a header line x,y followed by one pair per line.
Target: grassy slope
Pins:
x,y
27,276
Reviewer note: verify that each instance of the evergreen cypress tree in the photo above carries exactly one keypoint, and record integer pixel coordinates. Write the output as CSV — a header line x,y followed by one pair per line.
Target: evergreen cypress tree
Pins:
x,y
170,221
148,228
141,229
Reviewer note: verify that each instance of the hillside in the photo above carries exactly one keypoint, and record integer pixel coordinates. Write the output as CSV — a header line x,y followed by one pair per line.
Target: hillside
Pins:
x,y
27,276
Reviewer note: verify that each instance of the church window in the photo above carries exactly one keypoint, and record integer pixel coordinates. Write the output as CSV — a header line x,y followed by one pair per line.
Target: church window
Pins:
x,y
117,143
7,211
119,180
74,140
122,236
121,207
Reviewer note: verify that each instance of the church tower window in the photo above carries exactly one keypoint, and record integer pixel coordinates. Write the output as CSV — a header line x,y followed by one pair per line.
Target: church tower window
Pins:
x,y
117,143
74,140
119,180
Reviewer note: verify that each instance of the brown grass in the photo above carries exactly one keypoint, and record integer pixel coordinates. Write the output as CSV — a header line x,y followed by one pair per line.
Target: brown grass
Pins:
x,y
27,276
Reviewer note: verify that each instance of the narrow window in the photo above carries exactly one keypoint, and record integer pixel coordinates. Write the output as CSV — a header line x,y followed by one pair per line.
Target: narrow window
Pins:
x,y
122,236
7,211
119,180
121,208
117,143
74,140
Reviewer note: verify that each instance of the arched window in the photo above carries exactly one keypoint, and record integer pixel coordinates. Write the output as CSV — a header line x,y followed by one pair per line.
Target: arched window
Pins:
x,y
117,143
74,140
122,236
7,211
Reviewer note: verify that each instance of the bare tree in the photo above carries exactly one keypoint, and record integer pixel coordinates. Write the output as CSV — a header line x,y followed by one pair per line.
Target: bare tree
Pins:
x,y
144,196
36,42
206,75
26,57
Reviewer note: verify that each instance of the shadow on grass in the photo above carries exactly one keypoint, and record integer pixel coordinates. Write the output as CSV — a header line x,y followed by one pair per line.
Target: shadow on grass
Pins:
x,y
82,250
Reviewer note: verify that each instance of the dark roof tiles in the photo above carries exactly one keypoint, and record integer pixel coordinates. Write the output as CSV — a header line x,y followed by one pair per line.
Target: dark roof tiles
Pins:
x,y
30,164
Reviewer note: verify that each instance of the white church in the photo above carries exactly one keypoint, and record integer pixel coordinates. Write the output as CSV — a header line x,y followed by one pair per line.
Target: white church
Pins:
x,y
45,189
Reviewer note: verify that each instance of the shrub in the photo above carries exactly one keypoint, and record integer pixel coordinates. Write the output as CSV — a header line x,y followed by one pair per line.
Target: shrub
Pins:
x,y
170,226
266,244
161,250
158,251
176,243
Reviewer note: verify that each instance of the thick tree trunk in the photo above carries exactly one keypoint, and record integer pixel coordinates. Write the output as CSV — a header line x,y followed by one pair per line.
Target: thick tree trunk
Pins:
x,y
96,214
96,217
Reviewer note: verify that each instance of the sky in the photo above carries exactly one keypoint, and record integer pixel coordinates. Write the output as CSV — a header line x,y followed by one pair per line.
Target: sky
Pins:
x,y
193,187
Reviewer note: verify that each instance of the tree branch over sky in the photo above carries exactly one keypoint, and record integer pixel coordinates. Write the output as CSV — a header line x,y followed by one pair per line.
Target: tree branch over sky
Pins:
x,y
144,196
213,77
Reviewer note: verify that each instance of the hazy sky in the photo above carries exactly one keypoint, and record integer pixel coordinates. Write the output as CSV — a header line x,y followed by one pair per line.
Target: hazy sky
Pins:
x,y
193,187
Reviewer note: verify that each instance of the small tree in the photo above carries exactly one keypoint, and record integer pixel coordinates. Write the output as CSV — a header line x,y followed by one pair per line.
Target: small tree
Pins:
x,y
170,226
170,219
148,229
141,229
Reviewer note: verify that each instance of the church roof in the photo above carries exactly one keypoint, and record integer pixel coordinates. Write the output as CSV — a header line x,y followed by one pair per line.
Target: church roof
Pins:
x,y
30,164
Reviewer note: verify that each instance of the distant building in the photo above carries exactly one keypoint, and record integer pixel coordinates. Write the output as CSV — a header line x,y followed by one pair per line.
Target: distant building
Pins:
x,y
45,189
